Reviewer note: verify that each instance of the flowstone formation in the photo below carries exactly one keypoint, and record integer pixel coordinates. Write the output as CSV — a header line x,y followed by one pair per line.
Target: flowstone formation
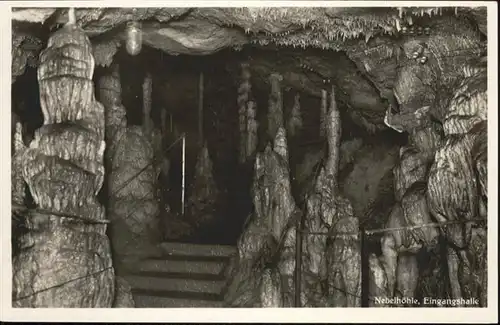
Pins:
x,y
65,257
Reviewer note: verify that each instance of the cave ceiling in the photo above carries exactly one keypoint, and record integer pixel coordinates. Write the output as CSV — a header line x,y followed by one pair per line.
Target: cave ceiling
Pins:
x,y
367,45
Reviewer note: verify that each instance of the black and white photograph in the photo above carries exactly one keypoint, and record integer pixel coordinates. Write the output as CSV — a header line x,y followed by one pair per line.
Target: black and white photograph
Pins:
x,y
265,156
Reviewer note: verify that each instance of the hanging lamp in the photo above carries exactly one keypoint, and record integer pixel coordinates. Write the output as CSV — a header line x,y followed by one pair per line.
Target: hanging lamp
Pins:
x,y
133,37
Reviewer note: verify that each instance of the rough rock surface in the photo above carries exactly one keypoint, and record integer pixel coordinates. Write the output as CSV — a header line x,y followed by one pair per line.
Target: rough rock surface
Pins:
x,y
66,257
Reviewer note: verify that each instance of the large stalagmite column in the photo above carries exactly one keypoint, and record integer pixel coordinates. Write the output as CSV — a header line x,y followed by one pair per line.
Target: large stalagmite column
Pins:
x,y
66,260
328,211
116,127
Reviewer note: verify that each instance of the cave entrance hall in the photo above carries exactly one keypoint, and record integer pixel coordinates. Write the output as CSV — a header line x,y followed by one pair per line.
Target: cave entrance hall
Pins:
x,y
205,157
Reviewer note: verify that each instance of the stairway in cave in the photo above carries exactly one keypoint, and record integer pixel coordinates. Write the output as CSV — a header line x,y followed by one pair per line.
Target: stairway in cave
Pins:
x,y
184,275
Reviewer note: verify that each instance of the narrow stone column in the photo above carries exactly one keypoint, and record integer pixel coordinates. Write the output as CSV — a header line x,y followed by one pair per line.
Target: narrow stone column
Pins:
x,y
244,93
295,121
251,130
147,89
66,260
275,109
322,112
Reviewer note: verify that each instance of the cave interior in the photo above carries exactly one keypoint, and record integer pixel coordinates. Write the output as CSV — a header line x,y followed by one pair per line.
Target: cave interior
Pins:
x,y
371,107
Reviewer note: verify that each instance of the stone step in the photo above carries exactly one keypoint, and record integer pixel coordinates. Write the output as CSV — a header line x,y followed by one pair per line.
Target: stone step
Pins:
x,y
169,266
186,249
148,301
151,283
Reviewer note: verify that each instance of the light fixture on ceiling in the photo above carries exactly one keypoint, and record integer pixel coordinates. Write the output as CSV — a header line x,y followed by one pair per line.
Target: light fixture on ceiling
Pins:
x,y
133,37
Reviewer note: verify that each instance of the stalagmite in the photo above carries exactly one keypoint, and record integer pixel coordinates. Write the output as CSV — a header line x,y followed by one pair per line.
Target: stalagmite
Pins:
x,y
295,121
66,257
204,192
116,127
132,204
275,109
253,284
338,263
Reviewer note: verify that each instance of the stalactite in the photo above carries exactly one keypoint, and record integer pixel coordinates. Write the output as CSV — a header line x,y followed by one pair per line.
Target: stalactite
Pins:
x,y
322,113
66,257
295,120
244,93
333,131
275,109
147,88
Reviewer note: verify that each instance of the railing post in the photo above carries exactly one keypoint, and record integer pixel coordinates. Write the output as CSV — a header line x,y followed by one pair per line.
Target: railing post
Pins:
x,y
183,171
298,260
365,278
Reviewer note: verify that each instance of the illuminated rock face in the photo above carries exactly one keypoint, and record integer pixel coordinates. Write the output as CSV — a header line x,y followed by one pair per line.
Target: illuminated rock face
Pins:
x,y
66,256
